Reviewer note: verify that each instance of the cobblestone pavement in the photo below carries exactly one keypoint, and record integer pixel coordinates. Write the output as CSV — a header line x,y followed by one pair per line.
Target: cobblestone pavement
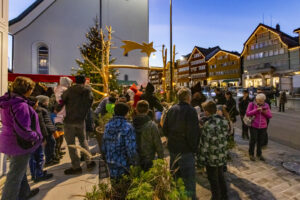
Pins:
x,y
258,180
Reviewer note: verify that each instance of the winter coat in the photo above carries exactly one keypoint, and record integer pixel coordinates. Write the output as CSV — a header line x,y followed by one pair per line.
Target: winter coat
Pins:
x,y
46,117
282,98
213,142
260,118
148,140
220,99
102,107
42,124
21,124
119,146
231,109
181,127
152,100
78,100
243,105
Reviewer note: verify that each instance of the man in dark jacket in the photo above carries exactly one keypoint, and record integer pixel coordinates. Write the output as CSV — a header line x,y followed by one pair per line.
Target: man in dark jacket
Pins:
x,y
147,136
152,100
243,105
50,129
181,127
220,97
78,100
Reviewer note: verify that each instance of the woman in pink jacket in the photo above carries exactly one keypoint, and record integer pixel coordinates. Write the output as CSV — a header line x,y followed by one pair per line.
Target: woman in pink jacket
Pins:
x,y
260,111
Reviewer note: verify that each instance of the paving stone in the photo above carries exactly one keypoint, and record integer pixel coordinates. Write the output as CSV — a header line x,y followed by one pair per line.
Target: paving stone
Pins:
x,y
293,191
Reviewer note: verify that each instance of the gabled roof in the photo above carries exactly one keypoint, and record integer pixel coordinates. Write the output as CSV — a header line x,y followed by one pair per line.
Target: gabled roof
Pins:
x,y
286,39
235,53
25,12
206,52
297,30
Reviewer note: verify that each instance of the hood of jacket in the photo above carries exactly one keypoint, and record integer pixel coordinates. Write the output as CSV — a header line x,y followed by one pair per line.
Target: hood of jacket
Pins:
x,y
150,88
9,99
65,82
117,125
139,122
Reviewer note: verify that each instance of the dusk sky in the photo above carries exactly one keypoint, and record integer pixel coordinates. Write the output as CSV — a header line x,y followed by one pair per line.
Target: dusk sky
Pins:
x,y
227,23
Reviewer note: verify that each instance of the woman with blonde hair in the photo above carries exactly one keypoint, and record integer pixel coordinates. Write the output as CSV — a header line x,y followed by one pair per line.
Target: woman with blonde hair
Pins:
x,y
20,136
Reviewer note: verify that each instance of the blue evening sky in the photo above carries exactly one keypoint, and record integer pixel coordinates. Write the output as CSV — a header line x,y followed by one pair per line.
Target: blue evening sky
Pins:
x,y
208,23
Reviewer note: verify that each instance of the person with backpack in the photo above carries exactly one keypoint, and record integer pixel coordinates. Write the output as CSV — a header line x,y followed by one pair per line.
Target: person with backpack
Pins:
x,y
20,136
212,152
260,111
147,136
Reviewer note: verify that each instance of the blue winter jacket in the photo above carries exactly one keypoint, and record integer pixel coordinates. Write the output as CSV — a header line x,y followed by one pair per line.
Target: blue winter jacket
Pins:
x,y
119,146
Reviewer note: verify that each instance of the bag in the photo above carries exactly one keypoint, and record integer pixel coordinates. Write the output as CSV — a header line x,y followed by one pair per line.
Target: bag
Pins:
x,y
24,144
248,120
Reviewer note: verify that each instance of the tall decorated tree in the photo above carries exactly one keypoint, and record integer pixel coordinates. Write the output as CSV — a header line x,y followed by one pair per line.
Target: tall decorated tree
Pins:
x,y
92,52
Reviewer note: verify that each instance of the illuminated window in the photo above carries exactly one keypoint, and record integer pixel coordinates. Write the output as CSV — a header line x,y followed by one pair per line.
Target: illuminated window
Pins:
x,y
43,60
281,51
271,53
275,52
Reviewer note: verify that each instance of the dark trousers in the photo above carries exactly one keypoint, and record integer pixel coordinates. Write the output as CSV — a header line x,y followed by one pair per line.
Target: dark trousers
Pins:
x,y
257,137
281,107
50,148
16,185
36,163
58,142
245,133
217,182
186,170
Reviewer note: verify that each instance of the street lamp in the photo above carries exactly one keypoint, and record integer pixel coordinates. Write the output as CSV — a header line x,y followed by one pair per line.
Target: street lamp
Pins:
x,y
171,53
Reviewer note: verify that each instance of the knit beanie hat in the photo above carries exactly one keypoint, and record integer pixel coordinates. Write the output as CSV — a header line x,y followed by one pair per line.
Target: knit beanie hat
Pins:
x,y
42,99
65,81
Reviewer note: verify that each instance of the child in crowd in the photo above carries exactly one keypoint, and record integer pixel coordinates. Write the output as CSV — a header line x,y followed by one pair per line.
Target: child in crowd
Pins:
x,y
36,161
147,135
59,133
213,151
119,143
50,128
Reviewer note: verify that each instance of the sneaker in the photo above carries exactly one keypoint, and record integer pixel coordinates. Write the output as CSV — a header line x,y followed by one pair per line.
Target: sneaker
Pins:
x,y
43,178
91,165
33,193
252,158
72,171
261,158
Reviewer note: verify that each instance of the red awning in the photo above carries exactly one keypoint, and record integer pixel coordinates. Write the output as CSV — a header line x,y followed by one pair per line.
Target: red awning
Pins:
x,y
39,77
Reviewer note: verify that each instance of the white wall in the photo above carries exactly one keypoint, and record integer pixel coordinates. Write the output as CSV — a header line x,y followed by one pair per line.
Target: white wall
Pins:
x,y
3,62
63,27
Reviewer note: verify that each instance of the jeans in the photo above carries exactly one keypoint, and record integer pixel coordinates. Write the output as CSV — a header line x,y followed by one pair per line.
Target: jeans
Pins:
x,y
36,163
281,107
217,182
257,137
71,132
245,133
16,185
186,170
50,148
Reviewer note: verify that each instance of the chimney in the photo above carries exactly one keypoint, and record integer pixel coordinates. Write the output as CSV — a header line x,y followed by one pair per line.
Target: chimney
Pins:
x,y
277,27
298,31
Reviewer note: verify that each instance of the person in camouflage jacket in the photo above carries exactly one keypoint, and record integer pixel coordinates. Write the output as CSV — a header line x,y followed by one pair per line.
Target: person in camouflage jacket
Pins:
x,y
119,143
212,152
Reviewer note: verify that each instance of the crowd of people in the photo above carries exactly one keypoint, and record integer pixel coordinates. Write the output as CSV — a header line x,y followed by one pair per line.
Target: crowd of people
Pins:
x,y
198,131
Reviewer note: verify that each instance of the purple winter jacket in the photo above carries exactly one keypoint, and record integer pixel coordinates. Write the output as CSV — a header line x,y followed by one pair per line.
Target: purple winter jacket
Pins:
x,y
261,119
23,113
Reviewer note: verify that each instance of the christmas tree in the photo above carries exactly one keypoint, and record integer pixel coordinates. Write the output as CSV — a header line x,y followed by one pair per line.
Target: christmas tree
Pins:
x,y
92,50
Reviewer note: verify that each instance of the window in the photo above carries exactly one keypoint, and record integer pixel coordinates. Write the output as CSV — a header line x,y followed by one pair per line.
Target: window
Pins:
x,y
266,54
281,51
256,46
126,77
261,55
248,57
252,56
271,53
256,56
261,45
252,46
275,52
43,60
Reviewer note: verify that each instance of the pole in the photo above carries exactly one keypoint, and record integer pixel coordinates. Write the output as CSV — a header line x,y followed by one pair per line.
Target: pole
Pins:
x,y
171,53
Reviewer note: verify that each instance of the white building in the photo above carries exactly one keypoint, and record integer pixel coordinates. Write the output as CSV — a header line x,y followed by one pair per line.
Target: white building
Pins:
x,y
3,63
46,36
